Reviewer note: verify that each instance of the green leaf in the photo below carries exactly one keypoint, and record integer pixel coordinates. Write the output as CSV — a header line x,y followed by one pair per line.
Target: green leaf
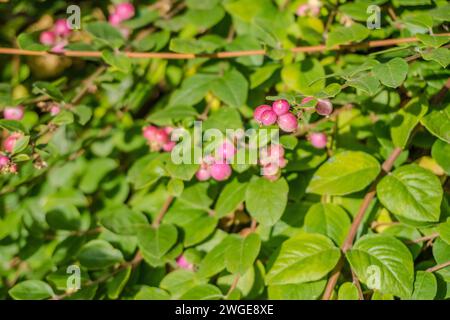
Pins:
x,y
266,200
383,263
231,88
439,55
303,258
21,144
433,41
406,120
438,123
95,172
181,171
241,253
99,254
366,83
444,231
348,291
192,90
84,114
209,266
441,253
154,243
328,219
301,291
194,46
31,290
425,286
151,293
63,118
440,152
412,192
179,282
12,126
345,35
308,77
146,171
105,34
48,89
115,286
344,173
27,41
393,73
64,218
230,197
202,292
123,220
118,60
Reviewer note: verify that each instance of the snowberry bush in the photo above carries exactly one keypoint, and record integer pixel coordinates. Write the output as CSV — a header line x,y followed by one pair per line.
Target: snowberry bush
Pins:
x,y
225,149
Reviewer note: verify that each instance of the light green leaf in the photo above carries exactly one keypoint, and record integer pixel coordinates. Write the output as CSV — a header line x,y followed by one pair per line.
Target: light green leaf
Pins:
x,y
151,293
392,73
303,258
433,41
438,123
345,35
348,291
230,197
231,88
344,173
241,253
123,220
154,243
202,292
266,200
405,121
383,263
440,152
301,291
99,254
425,286
105,34
439,55
412,192
31,290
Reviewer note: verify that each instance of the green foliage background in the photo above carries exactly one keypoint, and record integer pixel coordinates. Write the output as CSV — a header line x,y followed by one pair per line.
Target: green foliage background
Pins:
x,y
89,190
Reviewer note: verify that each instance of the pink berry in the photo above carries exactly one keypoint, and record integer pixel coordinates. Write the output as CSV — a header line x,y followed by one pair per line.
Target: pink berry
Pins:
x,y
161,136
59,47
318,140
280,107
114,19
10,142
302,10
225,152
13,113
54,110
124,10
270,170
288,122
4,160
47,37
324,107
259,110
268,117
271,154
13,168
61,28
168,130
150,132
184,264
202,174
282,162
168,146
220,171
305,100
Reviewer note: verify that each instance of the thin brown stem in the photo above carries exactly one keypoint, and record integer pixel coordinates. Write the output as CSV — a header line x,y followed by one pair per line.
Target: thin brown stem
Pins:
x,y
439,267
425,238
357,285
219,55
233,285
88,84
163,211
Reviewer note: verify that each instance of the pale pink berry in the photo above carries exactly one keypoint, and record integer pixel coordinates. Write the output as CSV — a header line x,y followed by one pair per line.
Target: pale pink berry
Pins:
x,y
302,10
318,140
282,162
280,107
114,19
161,136
225,151
13,168
270,169
324,107
47,37
288,122
168,130
220,171
150,132
124,10
4,160
305,100
208,160
54,110
268,117
203,174
184,264
259,110
59,47
10,142
271,154
13,113
61,28
168,146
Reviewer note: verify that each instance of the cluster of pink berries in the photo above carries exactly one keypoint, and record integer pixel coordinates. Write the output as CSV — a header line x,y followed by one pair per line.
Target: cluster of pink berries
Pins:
x,y
217,167
6,165
312,7
272,160
184,264
158,138
277,113
57,37
122,12
13,113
